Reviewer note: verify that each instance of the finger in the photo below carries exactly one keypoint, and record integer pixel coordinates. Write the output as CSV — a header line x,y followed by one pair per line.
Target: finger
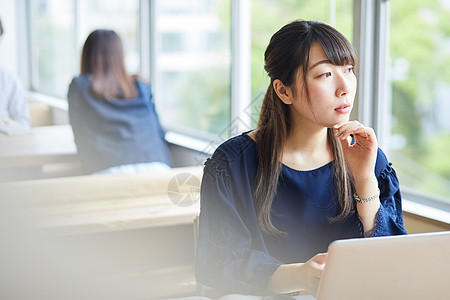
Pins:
x,y
361,135
345,130
318,264
366,133
320,258
317,270
367,139
363,131
347,124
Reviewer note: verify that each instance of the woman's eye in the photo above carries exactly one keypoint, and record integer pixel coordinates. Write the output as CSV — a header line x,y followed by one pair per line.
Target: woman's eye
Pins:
x,y
324,75
351,69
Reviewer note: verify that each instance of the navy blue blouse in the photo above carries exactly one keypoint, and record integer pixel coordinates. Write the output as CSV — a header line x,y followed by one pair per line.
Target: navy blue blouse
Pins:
x,y
115,132
235,256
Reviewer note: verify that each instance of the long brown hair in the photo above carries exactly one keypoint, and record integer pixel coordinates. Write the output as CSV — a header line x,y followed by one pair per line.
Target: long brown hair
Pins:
x,y
103,59
286,54
1,28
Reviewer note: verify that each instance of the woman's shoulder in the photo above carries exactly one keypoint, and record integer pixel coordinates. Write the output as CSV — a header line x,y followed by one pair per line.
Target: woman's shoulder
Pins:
x,y
79,90
7,76
232,153
237,146
5,72
143,86
141,81
81,81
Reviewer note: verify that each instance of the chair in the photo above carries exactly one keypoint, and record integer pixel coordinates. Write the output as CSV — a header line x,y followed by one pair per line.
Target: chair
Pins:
x,y
203,290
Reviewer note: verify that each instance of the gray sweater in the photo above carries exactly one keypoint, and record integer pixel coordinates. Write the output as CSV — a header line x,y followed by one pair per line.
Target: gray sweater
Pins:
x,y
110,133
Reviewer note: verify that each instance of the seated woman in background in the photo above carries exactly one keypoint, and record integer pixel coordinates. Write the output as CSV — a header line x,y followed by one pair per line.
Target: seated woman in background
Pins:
x,y
273,199
14,112
112,114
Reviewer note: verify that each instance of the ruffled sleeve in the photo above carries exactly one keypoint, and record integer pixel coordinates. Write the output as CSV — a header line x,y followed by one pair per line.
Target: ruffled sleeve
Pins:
x,y
390,215
229,257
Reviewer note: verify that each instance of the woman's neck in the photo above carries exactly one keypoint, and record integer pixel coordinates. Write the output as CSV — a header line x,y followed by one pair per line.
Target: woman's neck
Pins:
x,y
307,148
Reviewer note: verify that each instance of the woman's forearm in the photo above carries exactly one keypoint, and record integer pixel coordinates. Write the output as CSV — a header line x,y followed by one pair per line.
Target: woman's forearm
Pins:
x,y
368,211
285,279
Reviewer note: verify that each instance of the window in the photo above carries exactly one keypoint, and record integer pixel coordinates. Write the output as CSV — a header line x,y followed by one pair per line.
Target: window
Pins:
x,y
189,47
58,31
192,65
420,85
54,54
120,16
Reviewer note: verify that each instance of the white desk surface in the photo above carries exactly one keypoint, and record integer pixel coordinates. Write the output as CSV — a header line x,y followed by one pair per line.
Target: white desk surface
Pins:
x,y
38,146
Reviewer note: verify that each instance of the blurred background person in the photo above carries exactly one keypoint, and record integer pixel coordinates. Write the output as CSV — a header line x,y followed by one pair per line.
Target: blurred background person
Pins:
x,y
113,117
14,111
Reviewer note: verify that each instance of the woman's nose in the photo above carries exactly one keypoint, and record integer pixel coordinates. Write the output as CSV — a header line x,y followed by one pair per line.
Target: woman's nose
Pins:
x,y
342,85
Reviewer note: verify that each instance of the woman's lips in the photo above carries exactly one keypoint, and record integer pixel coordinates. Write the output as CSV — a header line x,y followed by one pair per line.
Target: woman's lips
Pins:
x,y
343,109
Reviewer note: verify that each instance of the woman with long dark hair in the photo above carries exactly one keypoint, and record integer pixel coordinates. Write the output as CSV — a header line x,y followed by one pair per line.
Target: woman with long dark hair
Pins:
x,y
274,198
112,114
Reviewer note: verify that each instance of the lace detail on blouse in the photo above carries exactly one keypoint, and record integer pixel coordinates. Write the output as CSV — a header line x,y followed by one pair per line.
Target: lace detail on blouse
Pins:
x,y
389,220
387,171
217,166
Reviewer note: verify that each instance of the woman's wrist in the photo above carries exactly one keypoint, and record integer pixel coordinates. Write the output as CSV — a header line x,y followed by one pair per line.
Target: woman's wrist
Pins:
x,y
368,193
296,277
366,200
366,188
286,279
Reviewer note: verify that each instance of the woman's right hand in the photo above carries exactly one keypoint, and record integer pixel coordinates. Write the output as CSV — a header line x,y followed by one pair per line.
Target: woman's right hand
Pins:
x,y
312,272
298,276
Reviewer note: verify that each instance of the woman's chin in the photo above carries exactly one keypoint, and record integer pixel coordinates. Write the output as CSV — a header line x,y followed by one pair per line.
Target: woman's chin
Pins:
x,y
340,120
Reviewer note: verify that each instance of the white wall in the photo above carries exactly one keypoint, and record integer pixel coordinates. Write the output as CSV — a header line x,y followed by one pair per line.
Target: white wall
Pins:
x,y
9,48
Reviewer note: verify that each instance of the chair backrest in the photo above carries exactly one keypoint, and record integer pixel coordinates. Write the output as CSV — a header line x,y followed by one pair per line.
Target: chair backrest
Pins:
x,y
203,290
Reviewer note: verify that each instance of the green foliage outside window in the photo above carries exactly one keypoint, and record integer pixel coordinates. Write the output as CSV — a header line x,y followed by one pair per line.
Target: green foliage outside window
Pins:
x,y
420,56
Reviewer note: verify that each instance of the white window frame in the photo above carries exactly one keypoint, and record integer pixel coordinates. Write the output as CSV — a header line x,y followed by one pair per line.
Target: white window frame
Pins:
x,y
371,42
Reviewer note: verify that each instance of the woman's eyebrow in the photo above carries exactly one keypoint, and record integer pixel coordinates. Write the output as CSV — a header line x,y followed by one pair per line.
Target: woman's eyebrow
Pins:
x,y
325,61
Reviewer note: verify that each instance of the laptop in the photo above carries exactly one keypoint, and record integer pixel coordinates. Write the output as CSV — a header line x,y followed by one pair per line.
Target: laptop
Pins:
x,y
413,267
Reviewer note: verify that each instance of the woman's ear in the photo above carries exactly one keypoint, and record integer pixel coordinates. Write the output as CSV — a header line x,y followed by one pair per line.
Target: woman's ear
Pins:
x,y
283,92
